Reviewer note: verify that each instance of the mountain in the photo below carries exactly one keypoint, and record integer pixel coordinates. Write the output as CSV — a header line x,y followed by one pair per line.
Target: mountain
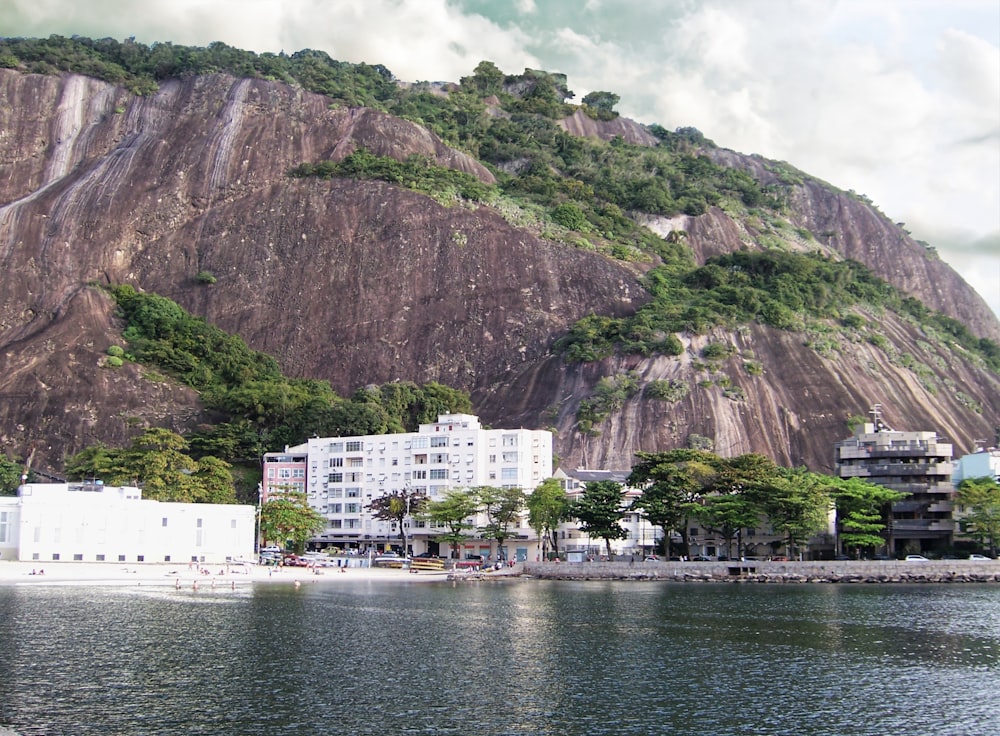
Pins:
x,y
360,281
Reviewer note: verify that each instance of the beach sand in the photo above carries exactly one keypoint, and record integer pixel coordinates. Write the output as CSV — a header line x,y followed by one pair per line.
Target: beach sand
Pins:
x,y
183,576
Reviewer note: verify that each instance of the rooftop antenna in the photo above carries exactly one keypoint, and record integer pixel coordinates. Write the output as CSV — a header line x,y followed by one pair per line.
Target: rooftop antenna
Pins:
x,y
875,412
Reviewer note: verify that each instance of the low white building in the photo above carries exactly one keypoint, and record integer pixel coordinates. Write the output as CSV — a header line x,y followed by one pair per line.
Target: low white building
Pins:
x,y
91,522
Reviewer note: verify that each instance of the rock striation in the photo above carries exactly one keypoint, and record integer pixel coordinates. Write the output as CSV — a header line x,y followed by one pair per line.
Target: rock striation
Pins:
x,y
363,282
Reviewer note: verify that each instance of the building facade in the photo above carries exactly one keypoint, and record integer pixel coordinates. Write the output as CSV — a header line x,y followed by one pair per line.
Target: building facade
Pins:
x,y
91,522
915,463
981,464
342,475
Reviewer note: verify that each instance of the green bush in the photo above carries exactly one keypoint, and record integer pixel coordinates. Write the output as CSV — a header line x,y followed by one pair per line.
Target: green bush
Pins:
x,y
205,277
717,351
671,391
116,351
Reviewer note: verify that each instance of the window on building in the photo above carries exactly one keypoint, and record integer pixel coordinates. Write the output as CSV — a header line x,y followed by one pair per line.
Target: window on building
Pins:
x,y
420,474
284,473
4,526
510,457
355,462
439,441
299,473
439,473
353,446
421,442
336,462
336,447
353,493
336,478
508,474
493,458
335,508
334,524
352,523
164,523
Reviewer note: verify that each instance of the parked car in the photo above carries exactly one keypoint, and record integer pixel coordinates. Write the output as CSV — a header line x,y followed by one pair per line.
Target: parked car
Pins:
x,y
916,558
979,558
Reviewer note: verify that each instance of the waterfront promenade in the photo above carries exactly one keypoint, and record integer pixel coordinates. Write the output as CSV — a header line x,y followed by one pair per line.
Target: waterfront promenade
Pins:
x,y
847,571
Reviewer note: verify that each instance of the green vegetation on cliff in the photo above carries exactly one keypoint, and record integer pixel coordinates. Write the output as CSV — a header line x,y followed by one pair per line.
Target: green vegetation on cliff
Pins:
x,y
257,408
576,190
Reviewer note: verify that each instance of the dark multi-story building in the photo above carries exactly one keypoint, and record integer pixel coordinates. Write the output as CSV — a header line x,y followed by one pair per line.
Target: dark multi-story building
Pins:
x,y
916,463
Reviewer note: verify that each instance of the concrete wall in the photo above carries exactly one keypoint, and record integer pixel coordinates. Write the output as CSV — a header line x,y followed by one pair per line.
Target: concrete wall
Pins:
x,y
846,571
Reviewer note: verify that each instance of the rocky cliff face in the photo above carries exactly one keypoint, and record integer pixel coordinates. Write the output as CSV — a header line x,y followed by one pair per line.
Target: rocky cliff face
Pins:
x,y
363,282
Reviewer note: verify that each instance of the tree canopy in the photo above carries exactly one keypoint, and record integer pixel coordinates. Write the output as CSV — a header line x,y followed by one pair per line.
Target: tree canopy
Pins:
x,y
157,462
502,507
395,506
548,506
980,499
288,518
454,512
600,510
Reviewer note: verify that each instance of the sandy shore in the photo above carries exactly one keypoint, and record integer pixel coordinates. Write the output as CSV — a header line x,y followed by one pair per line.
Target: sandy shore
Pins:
x,y
86,573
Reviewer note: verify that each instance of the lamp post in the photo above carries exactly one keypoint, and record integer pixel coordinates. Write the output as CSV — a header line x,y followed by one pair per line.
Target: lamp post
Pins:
x,y
260,511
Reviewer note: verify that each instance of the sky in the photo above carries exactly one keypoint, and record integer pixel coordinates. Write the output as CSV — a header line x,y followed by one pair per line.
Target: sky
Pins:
x,y
898,100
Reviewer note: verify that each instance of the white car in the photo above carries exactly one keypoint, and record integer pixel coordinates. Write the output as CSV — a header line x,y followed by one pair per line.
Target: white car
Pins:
x,y
979,558
916,558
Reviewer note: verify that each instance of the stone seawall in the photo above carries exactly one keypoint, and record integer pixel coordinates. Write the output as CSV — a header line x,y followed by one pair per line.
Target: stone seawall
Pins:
x,y
943,571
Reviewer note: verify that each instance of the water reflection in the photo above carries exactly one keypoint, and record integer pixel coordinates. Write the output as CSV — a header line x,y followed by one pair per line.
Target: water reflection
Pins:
x,y
526,657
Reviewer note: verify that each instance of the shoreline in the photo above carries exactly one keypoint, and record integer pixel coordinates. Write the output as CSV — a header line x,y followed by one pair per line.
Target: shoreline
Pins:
x,y
772,572
19,573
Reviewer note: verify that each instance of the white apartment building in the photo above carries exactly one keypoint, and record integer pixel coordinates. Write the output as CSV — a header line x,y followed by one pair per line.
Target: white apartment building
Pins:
x,y
342,475
91,522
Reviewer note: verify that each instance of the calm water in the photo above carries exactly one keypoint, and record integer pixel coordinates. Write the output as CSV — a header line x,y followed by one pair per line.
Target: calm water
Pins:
x,y
521,657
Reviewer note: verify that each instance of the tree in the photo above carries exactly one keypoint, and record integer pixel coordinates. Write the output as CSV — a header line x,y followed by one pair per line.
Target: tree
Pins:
x,y
502,507
981,499
600,511
671,482
797,504
10,476
603,103
731,502
729,513
487,79
395,506
548,506
288,517
156,461
862,510
453,512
